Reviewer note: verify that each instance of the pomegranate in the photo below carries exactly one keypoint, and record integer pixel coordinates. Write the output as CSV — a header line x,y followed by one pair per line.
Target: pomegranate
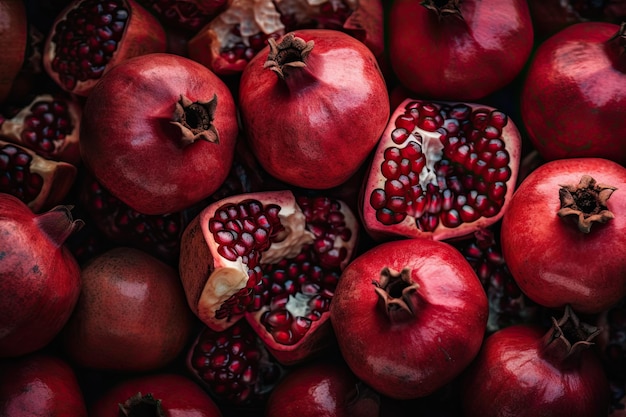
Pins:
x,y
48,125
409,316
131,315
564,234
234,366
581,68
552,16
441,170
40,384
39,182
171,145
274,258
188,16
90,37
39,277
313,81
230,40
524,370
611,345
458,50
322,388
13,39
157,394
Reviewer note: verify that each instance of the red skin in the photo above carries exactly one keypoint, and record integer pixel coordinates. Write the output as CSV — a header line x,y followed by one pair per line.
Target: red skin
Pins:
x,y
288,122
13,37
573,99
131,316
129,144
446,59
551,260
511,376
180,396
39,385
414,357
321,389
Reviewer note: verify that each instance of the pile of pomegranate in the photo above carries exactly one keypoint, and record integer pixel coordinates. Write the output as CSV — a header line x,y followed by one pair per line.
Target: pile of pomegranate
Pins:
x,y
294,208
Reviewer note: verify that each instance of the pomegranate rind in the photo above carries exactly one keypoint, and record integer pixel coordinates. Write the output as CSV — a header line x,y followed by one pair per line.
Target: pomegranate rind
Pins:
x,y
407,227
13,40
143,34
208,278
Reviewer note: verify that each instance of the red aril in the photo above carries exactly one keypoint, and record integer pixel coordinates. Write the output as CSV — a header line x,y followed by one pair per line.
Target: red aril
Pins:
x,y
458,50
441,170
305,96
527,371
564,234
89,37
39,277
409,316
573,97
159,132
274,258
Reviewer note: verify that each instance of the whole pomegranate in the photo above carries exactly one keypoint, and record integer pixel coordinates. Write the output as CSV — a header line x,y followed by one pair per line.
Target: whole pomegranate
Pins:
x,y
458,50
441,170
274,258
89,37
409,316
322,388
158,394
564,234
131,315
13,39
39,384
159,132
39,277
582,69
319,97
525,371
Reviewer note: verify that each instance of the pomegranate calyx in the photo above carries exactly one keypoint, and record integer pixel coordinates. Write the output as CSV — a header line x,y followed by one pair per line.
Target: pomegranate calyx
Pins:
x,y
290,52
141,405
567,337
586,202
397,294
616,45
195,120
444,8
58,224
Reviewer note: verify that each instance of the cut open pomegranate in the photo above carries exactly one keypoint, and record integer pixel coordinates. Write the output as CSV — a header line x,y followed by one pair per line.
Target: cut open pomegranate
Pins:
x,y
274,258
441,170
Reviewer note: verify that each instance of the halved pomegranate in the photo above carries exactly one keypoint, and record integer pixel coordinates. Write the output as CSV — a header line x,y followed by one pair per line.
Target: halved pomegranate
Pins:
x,y
48,125
39,182
91,36
274,258
186,15
441,170
236,35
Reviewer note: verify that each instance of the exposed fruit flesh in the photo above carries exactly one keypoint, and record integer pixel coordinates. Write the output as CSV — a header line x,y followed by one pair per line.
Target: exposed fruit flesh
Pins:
x,y
16,176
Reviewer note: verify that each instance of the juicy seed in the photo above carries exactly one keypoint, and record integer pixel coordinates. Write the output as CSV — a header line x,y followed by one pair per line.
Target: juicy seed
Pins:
x,y
475,159
16,177
85,41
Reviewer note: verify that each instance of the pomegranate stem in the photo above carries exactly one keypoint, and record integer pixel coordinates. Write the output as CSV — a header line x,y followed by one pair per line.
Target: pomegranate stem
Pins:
x,y
142,406
58,224
444,8
397,294
616,48
194,118
586,203
291,52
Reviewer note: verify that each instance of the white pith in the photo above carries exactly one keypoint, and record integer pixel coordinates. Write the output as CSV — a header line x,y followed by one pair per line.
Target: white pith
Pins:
x,y
432,148
262,16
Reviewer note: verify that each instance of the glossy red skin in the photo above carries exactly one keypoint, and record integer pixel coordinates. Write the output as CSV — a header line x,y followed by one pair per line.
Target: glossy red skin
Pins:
x,y
39,385
39,281
573,98
316,128
13,37
180,396
129,144
414,358
551,260
510,377
454,59
131,316
321,389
